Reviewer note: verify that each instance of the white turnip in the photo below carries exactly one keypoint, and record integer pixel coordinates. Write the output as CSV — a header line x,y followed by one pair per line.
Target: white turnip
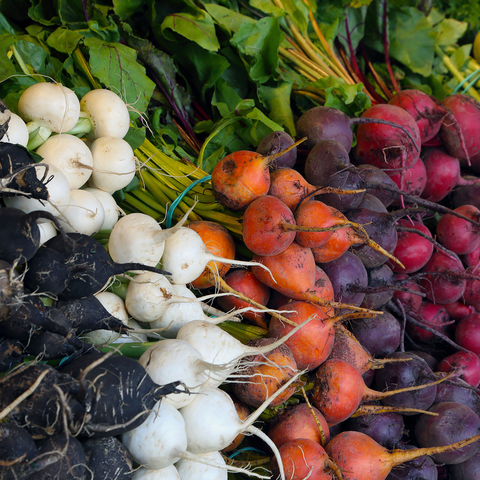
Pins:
x,y
107,112
113,164
70,155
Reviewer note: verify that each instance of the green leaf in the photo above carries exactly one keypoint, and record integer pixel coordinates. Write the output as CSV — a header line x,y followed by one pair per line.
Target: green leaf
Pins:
x,y
5,27
229,19
412,39
64,40
135,136
277,101
258,43
116,66
224,98
449,31
125,8
206,67
6,66
195,25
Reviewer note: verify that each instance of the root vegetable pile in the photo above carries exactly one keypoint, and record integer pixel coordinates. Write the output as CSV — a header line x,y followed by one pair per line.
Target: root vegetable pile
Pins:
x,y
359,279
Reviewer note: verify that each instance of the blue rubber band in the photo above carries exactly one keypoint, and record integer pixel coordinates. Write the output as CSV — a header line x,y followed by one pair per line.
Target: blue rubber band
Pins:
x,y
175,203
246,449
466,79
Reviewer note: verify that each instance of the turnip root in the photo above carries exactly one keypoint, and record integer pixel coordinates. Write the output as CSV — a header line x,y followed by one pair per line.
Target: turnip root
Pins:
x,y
83,214
138,237
110,208
107,112
70,155
171,359
167,473
214,410
51,105
186,256
113,164
17,131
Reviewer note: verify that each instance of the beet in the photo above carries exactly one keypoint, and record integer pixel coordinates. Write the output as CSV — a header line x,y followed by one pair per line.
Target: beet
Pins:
x,y
421,468
380,287
467,470
385,428
275,142
379,335
426,110
326,164
346,272
458,391
454,422
405,374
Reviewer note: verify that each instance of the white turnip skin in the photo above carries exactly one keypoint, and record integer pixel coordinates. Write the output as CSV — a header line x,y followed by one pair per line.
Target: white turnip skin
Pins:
x,y
213,410
171,358
159,441
110,207
83,214
219,347
70,155
51,105
58,193
113,164
186,256
17,131
167,473
114,305
138,237
107,112
47,231
191,470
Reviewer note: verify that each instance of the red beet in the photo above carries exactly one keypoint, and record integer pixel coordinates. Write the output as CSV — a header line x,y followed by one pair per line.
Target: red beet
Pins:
x,y
467,365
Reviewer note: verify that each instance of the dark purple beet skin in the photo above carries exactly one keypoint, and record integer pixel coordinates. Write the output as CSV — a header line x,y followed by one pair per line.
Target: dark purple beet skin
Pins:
x,y
346,272
458,391
382,279
468,470
379,335
275,142
405,374
455,422
422,468
385,428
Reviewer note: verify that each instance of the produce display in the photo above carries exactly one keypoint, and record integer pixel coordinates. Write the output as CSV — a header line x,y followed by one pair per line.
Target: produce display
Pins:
x,y
248,240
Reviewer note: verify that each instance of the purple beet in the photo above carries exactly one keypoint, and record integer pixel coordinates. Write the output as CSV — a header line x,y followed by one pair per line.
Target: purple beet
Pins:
x,y
275,142
379,335
455,422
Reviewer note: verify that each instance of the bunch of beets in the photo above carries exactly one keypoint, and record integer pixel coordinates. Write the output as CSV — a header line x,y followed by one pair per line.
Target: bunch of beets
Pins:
x,y
379,243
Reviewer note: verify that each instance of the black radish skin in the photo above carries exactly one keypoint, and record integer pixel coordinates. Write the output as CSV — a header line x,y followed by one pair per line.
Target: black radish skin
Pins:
x,y
11,289
90,266
17,448
42,412
46,272
107,458
11,353
116,392
20,235
88,313
60,457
